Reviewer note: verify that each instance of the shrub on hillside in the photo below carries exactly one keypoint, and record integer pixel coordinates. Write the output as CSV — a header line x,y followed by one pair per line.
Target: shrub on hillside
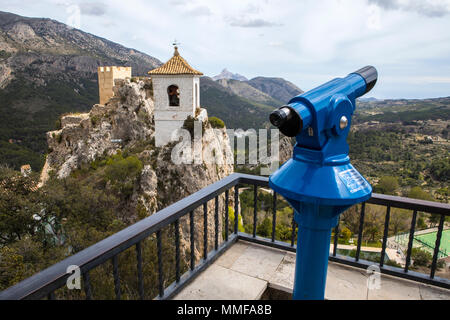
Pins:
x,y
216,122
421,257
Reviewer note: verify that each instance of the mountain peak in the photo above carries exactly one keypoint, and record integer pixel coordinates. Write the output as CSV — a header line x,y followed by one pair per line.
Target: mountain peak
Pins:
x,y
225,74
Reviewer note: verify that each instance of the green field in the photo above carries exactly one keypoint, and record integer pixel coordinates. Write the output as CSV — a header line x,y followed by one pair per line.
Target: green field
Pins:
x,y
430,239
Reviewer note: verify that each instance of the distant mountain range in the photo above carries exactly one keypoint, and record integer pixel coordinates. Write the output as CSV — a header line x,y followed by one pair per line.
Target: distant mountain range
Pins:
x,y
48,68
225,74
245,104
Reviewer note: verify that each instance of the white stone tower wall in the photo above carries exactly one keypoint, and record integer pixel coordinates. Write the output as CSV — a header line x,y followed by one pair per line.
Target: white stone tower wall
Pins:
x,y
185,84
170,118
196,92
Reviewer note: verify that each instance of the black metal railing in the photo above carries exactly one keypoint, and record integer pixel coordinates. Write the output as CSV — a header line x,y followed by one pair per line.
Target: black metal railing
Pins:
x,y
45,283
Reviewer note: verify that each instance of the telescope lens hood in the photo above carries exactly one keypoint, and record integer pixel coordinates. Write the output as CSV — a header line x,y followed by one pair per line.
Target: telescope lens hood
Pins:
x,y
287,121
370,76
279,117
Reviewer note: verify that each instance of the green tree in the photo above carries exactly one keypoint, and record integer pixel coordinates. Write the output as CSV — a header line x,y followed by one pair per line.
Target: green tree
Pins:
x,y
399,220
387,185
231,221
216,122
350,218
419,193
345,234
265,228
421,257
18,206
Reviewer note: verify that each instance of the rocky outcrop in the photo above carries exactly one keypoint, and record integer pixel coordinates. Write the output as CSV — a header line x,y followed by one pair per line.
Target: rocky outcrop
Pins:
x,y
286,148
125,122
83,137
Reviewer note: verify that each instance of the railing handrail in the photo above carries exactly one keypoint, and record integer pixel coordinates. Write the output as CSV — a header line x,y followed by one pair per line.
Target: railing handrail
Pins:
x,y
55,276
410,203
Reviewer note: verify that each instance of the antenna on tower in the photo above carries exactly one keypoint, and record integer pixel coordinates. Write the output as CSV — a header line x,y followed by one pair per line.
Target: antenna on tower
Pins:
x,y
175,46
176,43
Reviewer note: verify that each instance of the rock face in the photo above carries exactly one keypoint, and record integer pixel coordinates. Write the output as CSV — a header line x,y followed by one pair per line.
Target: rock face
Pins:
x,y
84,137
127,121
286,148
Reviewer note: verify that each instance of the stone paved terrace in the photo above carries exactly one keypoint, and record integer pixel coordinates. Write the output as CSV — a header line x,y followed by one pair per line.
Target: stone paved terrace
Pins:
x,y
246,270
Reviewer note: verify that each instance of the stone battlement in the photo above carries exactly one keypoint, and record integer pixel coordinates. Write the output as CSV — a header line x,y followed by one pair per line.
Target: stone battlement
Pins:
x,y
106,77
114,68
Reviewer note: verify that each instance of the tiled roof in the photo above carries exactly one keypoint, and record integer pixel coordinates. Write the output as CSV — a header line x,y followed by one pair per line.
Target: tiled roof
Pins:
x,y
176,65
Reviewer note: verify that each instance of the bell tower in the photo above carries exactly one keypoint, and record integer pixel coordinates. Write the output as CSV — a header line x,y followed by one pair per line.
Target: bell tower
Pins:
x,y
176,96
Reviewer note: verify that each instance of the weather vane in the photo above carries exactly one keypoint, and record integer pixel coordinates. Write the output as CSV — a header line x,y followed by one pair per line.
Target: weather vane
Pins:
x,y
176,43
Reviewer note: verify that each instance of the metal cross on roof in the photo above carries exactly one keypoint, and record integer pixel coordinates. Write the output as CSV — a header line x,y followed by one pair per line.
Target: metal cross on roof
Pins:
x,y
176,43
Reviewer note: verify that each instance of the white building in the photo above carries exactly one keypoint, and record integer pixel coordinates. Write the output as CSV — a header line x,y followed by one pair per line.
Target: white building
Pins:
x,y
176,94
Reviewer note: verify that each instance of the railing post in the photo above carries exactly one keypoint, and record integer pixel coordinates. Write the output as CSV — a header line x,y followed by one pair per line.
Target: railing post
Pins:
x,y
385,235
177,250
360,233
139,270
236,208
216,223
437,245
226,215
205,231
411,240
336,237
294,226
274,216
191,231
255,208
160,264
115,263
87,285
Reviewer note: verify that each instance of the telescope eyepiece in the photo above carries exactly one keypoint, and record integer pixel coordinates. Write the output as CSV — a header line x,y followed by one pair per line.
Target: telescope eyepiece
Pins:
x,y
280,116
287,120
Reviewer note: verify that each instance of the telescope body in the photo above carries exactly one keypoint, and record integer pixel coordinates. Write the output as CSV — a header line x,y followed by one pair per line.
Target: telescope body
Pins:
x,y
319,181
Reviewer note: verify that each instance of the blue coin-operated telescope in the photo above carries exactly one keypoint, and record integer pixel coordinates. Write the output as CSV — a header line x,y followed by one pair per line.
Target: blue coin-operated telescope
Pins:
x,y
318,181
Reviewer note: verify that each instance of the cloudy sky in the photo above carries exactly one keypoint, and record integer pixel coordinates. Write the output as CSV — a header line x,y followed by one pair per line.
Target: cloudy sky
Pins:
x,y
305,41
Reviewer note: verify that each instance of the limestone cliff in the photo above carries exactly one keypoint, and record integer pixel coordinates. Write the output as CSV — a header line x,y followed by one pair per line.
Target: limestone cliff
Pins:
x,y
126,123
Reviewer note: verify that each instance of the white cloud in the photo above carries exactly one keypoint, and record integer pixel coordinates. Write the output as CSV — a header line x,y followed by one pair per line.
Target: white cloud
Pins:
x,y
276,43
245,22
92,9
430,8
306,42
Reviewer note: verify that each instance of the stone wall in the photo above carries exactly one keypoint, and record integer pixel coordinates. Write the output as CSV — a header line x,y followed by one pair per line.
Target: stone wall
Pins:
x,y
106,78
